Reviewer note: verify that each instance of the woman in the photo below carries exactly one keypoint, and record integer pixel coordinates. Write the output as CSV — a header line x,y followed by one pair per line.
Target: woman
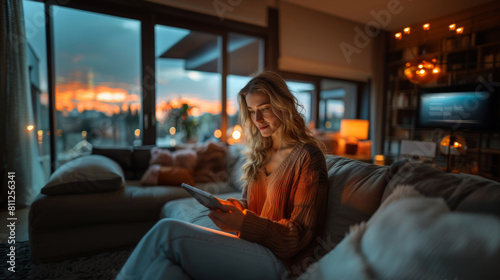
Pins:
x,y
277,221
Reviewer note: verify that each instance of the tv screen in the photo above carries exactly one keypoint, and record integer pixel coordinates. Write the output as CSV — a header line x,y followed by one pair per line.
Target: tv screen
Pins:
x,y
472,107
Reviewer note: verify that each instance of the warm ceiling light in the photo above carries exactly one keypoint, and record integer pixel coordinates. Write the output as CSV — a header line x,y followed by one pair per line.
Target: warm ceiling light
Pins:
x,y
407,30
460,30
426,26
398,35
452,27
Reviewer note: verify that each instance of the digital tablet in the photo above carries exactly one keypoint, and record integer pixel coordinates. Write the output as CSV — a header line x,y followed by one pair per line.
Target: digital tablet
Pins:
x,y
203,197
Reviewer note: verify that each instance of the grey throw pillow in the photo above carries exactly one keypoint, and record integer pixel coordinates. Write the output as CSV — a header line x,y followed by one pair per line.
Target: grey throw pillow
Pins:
x,y
87,174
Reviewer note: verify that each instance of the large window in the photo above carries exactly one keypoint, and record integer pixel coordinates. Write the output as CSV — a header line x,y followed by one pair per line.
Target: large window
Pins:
x,y
188,85
98,73
98,88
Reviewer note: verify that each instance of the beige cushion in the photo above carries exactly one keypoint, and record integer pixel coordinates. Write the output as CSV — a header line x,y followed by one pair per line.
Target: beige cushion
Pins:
x,y
86,174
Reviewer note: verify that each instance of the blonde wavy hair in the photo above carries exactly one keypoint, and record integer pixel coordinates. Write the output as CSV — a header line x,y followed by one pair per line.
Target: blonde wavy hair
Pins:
x,y
286,107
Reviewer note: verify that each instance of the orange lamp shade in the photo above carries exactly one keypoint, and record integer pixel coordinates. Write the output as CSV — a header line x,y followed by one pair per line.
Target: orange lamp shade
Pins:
x,y
354,128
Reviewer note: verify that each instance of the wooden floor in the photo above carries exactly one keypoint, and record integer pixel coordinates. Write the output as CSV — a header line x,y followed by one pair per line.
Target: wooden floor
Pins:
x,y
21,231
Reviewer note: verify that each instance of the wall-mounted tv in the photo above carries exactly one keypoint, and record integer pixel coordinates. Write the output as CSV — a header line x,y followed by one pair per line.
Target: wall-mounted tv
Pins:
x,y
471,107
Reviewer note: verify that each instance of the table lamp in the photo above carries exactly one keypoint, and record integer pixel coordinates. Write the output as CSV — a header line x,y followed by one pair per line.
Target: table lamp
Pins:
x,y
353,130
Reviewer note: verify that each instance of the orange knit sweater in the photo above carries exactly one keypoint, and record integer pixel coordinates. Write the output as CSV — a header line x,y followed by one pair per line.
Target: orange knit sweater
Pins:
x,y
285,211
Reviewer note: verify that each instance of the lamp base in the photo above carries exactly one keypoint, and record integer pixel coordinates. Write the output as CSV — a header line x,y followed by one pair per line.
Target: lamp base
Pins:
x,y
351,148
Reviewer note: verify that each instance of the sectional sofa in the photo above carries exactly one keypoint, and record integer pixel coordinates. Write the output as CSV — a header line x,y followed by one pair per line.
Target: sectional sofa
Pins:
x,y
92,219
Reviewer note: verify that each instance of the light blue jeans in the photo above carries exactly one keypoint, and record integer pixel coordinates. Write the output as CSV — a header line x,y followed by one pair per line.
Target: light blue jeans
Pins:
x,y
177,250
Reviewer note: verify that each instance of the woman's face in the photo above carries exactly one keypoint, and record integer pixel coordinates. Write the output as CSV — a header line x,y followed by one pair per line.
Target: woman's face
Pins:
x,y
260,110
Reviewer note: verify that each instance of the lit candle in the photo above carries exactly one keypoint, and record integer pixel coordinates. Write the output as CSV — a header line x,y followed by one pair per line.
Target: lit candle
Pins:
x,y
460,30
452,27
398,36
407,30
426,26
379,160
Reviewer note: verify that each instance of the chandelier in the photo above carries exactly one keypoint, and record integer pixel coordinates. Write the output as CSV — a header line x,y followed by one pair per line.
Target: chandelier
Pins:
x,y
422,69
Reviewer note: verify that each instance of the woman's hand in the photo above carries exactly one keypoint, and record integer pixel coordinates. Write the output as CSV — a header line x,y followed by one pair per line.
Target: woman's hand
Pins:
x,y
229,218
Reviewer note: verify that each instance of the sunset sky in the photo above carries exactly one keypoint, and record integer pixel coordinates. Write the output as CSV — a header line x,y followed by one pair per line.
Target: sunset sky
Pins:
x,y
97,62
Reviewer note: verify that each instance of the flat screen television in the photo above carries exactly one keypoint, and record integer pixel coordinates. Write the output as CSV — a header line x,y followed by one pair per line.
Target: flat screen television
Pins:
x,y
468,107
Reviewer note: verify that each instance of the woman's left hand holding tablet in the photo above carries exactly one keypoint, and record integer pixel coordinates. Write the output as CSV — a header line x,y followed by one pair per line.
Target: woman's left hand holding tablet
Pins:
x,y
229,218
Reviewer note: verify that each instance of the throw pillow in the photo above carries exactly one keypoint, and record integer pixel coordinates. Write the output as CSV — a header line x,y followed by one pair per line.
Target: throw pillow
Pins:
x,y
86,174
161,157
186,158
167,176
175,176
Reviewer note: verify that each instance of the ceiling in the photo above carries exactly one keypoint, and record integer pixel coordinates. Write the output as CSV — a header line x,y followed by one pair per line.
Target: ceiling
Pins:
x,y
412,11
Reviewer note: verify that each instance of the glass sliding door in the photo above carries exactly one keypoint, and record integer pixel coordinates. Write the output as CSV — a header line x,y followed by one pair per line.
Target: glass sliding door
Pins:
x,y
98,83
188,86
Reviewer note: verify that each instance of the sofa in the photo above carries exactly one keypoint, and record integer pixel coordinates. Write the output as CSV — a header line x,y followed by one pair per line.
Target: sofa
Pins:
x,y
63,226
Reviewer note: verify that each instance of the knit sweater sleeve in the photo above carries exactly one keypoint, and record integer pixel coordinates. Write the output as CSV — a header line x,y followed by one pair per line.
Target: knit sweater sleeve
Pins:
x,y
286,237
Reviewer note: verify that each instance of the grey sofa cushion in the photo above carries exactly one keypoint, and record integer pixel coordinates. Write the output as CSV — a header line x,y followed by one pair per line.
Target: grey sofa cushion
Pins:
x,y
86,174
355,191
462,192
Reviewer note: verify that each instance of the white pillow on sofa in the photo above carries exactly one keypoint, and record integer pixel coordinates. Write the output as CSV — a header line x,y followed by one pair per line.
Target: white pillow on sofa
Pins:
x,y
86,174
416,238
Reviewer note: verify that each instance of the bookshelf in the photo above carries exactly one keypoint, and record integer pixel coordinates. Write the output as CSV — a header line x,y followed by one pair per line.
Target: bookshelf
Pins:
x,y
470,57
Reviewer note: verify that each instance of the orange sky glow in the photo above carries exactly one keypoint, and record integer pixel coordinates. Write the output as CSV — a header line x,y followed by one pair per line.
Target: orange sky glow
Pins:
x,y
113,100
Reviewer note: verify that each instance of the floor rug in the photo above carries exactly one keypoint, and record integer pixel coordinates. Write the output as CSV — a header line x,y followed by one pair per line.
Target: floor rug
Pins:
x,y
101,266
